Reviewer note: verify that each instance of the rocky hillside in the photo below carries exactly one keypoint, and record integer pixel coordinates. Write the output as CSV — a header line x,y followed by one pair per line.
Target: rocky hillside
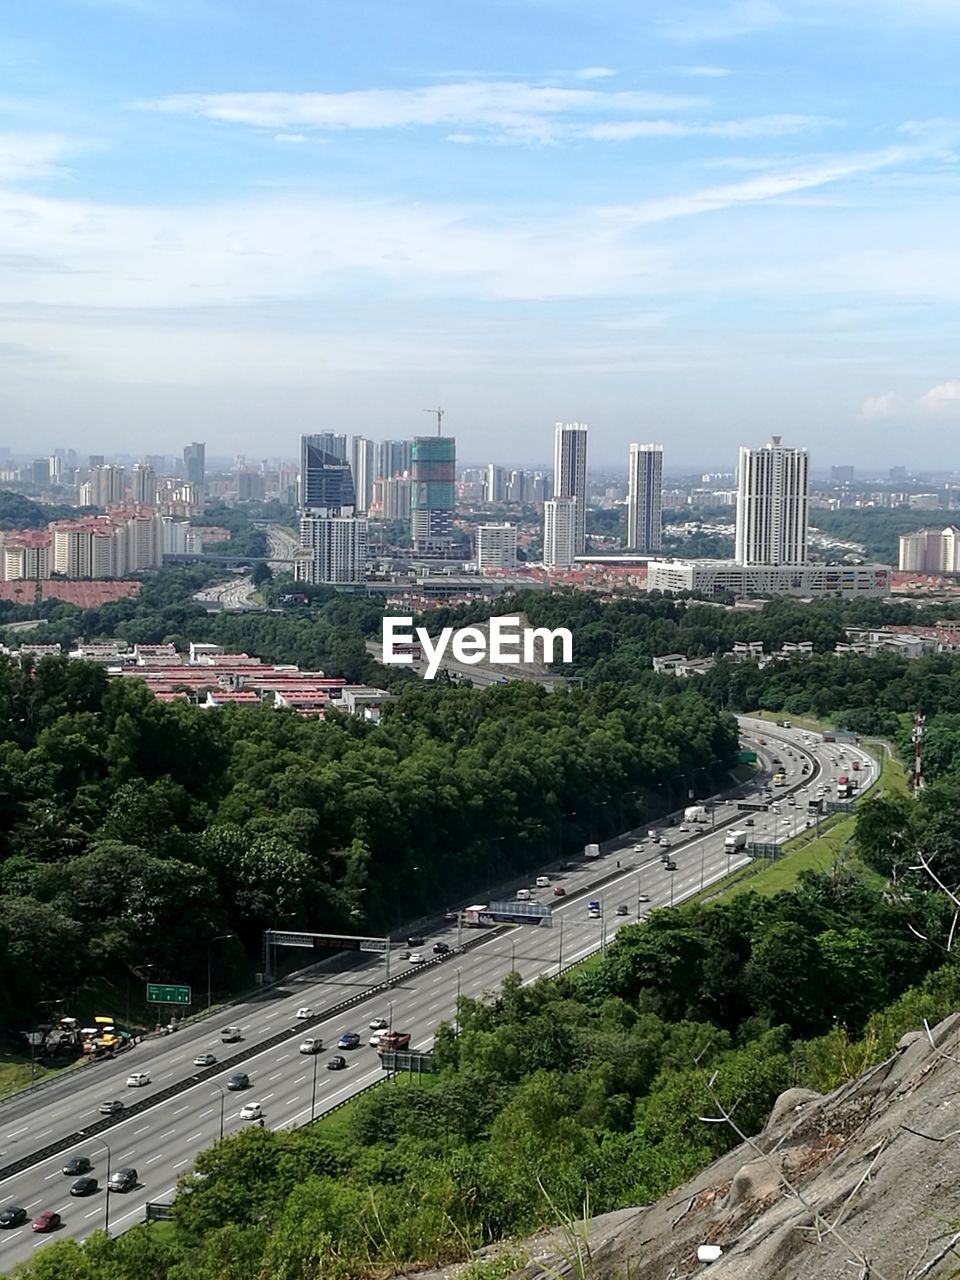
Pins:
x,y
860,1184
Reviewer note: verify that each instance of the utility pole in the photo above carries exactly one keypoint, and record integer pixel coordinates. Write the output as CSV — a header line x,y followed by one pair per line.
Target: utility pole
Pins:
x,y
439,413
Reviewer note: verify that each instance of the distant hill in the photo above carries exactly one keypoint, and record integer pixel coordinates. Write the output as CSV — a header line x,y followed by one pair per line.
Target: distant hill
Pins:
x,y
20,512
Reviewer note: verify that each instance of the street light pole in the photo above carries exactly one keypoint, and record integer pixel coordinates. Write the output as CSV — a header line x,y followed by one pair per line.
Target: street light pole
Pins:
x,y
560,950
313,1100
456,1019
223,1098
221,937
106,1203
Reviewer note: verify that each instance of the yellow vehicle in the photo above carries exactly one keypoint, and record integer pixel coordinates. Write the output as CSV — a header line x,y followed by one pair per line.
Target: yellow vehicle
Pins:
x,y
779,779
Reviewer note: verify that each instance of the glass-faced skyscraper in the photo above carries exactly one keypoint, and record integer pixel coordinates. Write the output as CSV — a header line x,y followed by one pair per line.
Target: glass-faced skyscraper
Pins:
x,y
333,538
644,497
433,492
772,500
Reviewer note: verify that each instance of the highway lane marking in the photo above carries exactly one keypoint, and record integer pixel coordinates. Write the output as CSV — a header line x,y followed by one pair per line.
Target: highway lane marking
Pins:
x,y
168,1134
181,1110
32,1204
299,1079
276,1076
293,1102
266,1097
182,1162
48,1176
17,1132
159,1156
93,1213
137,1132
283,1057
125,1155
203,1114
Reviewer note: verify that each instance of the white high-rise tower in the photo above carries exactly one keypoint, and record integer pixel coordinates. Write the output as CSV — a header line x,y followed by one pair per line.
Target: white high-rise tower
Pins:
x,y
772,500
644,497
570,475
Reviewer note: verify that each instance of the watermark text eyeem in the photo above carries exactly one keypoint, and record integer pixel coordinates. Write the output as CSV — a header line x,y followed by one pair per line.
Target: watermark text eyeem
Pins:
x,y
509,643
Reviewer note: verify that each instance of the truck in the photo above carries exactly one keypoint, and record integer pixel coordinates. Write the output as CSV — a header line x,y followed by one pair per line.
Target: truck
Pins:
x,y
476,917
393,1042
591,851
843,787
695,813
734,841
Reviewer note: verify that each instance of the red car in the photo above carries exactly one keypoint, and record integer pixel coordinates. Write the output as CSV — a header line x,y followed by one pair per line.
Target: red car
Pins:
x,y
46,1221
559,891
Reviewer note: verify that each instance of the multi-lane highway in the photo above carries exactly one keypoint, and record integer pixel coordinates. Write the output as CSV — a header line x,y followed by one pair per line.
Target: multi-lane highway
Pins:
x,y
162,1141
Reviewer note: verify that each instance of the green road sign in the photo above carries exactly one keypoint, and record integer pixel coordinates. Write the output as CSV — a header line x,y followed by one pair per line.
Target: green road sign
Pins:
x,y
167,993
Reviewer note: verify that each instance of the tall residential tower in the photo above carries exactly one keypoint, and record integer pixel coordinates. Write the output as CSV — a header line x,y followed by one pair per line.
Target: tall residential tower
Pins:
x,y
570,475
644,497
772,500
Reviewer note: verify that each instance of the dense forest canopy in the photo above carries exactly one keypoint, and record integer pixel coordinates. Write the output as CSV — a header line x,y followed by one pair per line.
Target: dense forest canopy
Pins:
x,y
133,830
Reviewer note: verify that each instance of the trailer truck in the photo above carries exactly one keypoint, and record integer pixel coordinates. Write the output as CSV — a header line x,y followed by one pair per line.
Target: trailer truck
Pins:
x,y
734,841
695,813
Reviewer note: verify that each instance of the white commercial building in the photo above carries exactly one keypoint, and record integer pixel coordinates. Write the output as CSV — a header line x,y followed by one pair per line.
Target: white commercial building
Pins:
x,y
570,475
931,551
644,497
772,501
559,532
722,577
361,465
179,537
333,549
496,547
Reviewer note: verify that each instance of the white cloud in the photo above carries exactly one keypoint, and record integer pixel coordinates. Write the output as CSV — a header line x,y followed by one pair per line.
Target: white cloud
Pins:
x,y
594,73
886,405
26,156
943,398
776,126
525,110
946,396
702,72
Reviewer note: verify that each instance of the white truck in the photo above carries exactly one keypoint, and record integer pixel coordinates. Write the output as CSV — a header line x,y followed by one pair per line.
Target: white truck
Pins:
x,y
695,813
591,851
734,841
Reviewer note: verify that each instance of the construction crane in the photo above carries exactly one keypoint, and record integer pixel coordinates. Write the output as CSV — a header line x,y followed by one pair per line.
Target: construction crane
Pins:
x,y
439,413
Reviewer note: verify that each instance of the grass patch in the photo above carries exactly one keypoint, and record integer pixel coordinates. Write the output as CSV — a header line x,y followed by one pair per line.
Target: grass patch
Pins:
x,y
15,1073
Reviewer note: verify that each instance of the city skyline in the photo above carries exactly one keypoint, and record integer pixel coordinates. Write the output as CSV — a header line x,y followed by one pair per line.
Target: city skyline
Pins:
x,y
682,220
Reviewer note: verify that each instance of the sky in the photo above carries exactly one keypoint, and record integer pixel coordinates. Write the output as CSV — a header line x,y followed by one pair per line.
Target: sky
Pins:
x,y
695,222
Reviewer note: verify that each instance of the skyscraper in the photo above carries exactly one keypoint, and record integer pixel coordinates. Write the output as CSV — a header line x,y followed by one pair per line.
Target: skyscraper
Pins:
x,y
772,499
333,538
644,497
333,549
391,458
143,485
361,464
332,443
570,474
195,462
559,532
433,495
326,481
495,486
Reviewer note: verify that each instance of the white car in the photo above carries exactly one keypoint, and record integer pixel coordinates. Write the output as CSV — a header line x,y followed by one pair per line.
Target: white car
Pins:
x,y
415,957
683,827
313,1044
137,1078
379,1024
643,897
638,847
251,1111
375,1038
305,1012
543,882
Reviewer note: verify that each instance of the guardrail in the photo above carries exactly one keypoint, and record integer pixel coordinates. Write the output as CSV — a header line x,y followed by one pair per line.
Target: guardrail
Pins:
x,y
235,1060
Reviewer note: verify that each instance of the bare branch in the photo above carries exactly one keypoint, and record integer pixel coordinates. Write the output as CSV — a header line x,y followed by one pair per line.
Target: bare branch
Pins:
x,y
937,1258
